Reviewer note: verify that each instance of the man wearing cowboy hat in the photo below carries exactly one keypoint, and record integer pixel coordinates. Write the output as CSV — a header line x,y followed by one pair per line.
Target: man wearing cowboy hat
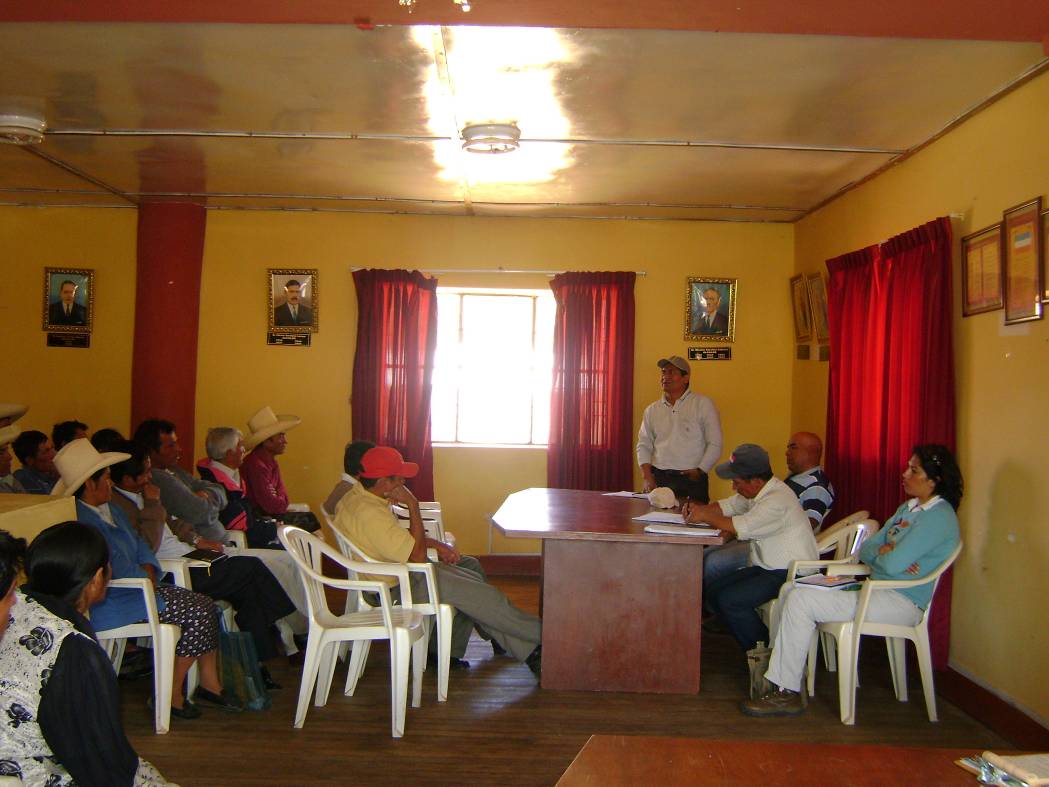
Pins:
x,y
9,413
185,497
266,441
364,516
8,483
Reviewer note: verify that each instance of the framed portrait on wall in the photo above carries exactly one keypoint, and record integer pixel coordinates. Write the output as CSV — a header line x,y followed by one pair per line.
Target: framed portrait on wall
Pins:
x,y
69,300
293,301
799,300
817,287
982,271
710,309
1022,262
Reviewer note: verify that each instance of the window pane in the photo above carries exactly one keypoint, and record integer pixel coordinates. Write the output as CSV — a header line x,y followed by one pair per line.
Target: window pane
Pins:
x,y
446,370
492,369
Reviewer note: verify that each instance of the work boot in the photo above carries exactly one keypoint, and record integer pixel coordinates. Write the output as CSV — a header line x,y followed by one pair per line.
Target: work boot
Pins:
x,y
778,702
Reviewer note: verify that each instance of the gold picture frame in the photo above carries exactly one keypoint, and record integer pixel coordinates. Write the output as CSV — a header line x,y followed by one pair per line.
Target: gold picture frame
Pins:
x,y
293,304
816,284
799,301
1022,262
982,271
69,300
710,309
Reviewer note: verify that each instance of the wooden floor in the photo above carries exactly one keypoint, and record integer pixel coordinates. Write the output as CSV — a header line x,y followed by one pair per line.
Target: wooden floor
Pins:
x,y
499,728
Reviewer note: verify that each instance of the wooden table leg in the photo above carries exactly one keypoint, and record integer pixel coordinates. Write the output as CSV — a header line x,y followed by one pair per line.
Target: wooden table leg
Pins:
x,y
621,616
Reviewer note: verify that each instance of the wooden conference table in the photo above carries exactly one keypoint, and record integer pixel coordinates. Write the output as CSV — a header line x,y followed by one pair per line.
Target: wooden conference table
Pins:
x,y
624,761
621,607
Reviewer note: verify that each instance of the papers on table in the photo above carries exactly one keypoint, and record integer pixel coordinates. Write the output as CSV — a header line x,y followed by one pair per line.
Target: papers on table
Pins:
x,y
639,495
681,530
666,517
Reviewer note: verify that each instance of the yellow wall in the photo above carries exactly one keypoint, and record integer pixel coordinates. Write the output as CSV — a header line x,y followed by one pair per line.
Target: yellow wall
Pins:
x,y
94,384
995,160
753,390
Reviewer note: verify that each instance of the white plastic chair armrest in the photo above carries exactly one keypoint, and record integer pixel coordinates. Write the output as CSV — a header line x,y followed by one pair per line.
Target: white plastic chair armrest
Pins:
x,y
143,584
796,565
178,567
237,538
426,569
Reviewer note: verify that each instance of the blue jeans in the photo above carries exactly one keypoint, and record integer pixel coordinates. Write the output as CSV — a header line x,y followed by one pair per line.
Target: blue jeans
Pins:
x,y
735,598
719,561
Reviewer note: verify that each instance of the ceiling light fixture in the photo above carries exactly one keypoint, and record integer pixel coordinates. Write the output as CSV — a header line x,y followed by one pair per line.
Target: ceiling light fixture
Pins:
x,y
410,5
21,129
491,138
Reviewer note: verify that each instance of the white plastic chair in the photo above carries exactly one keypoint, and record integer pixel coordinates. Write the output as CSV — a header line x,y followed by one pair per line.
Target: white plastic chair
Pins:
x,y
845,541
857,516
433,521
434,612
402,626
848,635
164,636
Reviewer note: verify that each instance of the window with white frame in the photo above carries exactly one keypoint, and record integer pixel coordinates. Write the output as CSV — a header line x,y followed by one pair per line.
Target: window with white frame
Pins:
x,y
492,373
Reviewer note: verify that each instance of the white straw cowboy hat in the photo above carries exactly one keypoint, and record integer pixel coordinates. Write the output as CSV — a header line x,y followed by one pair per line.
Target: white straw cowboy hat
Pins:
x,y
77,462
13,411
265,423
8,434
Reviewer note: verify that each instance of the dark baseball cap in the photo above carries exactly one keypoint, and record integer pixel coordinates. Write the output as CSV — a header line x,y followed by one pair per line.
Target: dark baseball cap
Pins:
x,y
747,461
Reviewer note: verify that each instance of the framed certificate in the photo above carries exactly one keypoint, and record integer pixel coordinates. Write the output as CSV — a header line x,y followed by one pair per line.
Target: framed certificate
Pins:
x,y
1022,253
982,271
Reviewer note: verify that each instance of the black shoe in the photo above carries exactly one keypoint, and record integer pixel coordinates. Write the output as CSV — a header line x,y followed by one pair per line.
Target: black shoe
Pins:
x,y
227,704
267,680
453,662
535,661
187,711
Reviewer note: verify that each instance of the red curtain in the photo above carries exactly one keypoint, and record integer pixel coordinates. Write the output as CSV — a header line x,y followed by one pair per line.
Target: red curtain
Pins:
x,y
891,380
591,419
393,366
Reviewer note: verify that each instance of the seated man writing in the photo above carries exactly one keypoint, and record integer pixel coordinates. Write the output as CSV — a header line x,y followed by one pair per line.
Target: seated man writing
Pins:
x,y
363,515
765,513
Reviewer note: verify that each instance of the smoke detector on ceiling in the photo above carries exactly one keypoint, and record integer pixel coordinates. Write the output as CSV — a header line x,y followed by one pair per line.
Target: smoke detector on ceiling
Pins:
x,y
21,129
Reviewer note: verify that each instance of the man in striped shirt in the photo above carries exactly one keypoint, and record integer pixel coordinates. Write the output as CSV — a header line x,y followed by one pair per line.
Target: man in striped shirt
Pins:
x,y
807,479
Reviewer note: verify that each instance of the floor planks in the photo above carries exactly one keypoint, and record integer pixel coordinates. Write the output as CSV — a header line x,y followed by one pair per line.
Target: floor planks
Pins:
x,y
499,728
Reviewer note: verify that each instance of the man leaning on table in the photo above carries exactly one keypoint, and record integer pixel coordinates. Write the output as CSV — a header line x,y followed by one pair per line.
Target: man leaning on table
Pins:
x,y
766,513
680,436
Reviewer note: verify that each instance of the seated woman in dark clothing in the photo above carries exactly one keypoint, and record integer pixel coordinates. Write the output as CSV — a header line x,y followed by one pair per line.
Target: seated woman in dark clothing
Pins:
x,y
60,700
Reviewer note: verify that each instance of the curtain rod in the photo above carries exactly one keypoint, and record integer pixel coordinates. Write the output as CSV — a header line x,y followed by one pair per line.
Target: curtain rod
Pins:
x,y
439,271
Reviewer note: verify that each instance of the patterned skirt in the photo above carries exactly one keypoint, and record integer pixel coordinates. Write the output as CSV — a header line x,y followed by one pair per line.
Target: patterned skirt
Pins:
x,y
196,614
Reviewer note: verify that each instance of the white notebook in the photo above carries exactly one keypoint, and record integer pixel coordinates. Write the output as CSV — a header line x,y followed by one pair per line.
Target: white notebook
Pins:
x,y
681,530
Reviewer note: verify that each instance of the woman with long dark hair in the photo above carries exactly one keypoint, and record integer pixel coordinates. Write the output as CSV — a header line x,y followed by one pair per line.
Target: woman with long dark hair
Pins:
x,y
60,702
912,544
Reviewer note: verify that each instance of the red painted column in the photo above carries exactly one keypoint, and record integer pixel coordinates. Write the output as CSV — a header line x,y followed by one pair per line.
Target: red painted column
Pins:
x,y
167,315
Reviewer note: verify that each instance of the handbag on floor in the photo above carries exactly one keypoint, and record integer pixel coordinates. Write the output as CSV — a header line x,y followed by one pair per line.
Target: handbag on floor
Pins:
x,y
758,663
239,667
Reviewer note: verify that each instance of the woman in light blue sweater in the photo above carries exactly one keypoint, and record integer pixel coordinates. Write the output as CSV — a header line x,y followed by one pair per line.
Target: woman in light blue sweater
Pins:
x,y
912,544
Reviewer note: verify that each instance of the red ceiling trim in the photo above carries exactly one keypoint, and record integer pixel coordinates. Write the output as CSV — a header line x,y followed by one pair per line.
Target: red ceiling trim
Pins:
x,y
1001,20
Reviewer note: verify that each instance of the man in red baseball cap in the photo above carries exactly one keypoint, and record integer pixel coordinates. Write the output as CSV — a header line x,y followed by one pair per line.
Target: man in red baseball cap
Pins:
x,y
364,517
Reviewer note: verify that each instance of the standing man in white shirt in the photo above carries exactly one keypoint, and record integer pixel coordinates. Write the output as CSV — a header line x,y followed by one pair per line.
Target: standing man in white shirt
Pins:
x,y
680,436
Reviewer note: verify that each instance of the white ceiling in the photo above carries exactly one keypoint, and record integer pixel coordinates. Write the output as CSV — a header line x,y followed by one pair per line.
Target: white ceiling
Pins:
x,y
614,123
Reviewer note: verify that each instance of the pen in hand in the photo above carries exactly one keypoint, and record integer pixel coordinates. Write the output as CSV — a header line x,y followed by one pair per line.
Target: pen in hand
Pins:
x,y
685,507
